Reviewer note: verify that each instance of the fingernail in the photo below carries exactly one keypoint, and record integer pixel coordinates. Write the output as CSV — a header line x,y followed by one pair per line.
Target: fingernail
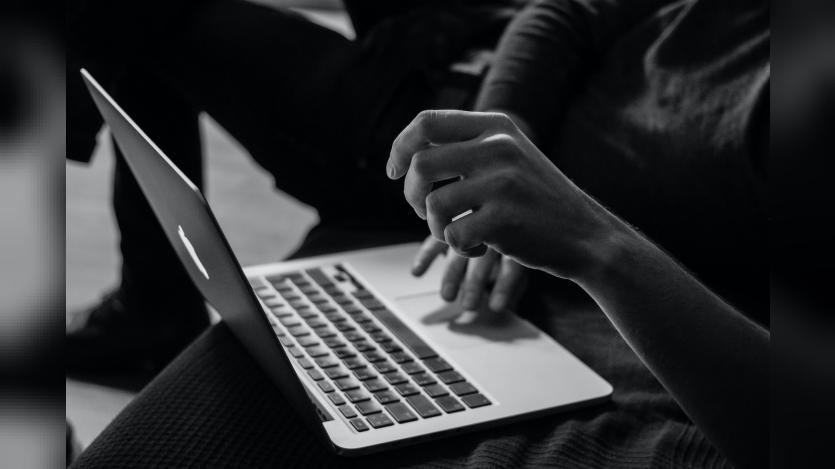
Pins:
x,y
497,302
391,170
448,292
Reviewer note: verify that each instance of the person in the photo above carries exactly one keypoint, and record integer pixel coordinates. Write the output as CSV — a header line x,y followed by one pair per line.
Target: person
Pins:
x,y
656,111
312,107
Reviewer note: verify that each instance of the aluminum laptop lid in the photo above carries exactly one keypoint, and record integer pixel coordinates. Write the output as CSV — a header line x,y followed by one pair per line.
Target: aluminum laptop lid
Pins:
x,y
192,230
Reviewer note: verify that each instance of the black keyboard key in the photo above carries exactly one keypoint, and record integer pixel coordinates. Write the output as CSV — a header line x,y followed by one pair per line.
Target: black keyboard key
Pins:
x,y
374,385
423,406
449,377
391,347
318,299
449,404
357,395
437,364
362,294
359,425
380,337
298,331
347,384
412,368
324,332
296,352
305,363
370,327
352,309
336,398
368,407
308,289
361,318
341,299
315,374
286,341
335,317
316,323
344,353
395,378
307,313
334,342
290,321
273,302
379,420
401,412
364,346
407,389
462,388
336,372
374,356
350,333
475,400
326,362
386,397
317,351
281,312
325,386
384,367
365,373
424,379
401,357
353,363
436,390
327,309
308,341
346,410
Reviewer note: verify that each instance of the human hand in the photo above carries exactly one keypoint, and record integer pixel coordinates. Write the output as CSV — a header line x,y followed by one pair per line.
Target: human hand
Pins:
x,y
492,277
522,205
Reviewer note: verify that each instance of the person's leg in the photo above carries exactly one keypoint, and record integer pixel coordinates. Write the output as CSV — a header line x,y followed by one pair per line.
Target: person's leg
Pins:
x,y
155,310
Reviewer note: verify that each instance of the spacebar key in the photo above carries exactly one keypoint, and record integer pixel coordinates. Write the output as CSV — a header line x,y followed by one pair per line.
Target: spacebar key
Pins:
x,y
406,335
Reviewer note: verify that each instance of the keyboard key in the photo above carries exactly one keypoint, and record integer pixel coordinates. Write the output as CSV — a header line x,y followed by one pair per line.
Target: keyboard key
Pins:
x,y
407,389
363,294
341,299
368,407
412,368
423,406
362,318
315,374
374,385
401,357
424,379
436,390
353,363
437,364
335,317
316,323
336,372
273,302
384,367
349,333
324,332
296,352
379,420
287,342
352,309
347,384
449,377
380,337
346,410
370,327
462,388
359,425
308,341
308,289
281,312
326,362
449,404
344,353
371,303
336,398
394,378
357,395
365,373
475,400
334,342
374,356
290,321
326,308
317,351
298,331
386,397
401,412
318,299
364,346
325,386
391,347
307,313
305,363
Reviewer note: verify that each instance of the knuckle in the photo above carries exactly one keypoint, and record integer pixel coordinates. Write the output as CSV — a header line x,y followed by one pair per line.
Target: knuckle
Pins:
x,y
434,202
420,162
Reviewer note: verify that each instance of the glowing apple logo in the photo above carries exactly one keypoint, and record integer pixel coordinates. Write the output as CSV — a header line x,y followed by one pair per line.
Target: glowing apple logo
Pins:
x,y
192,252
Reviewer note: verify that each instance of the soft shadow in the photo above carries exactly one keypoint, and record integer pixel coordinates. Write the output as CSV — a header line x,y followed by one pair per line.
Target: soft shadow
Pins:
x,y
495,327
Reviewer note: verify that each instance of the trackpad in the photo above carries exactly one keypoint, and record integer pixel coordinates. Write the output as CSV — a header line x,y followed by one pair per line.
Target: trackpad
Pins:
x,y
447,324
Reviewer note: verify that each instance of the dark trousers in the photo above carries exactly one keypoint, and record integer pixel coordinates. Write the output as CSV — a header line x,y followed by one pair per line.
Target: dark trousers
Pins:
x,y
316,110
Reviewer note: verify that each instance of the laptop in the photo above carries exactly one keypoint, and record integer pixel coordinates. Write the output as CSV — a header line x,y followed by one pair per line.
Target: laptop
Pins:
x,y
369,356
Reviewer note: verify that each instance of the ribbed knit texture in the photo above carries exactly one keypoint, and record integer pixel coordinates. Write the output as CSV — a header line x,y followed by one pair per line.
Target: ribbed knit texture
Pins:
x,y
213,407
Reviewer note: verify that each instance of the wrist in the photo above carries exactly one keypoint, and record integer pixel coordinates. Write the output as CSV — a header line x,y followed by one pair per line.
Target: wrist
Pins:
x,y
606,252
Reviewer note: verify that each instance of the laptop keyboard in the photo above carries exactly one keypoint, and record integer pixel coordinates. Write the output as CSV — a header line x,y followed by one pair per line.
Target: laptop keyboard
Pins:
x,y
372,367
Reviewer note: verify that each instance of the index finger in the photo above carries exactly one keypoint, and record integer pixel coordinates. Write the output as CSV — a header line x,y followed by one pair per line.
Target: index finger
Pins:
x,y
433,127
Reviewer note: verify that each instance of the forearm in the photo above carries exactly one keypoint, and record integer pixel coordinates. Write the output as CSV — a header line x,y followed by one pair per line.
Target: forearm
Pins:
x,y
711,358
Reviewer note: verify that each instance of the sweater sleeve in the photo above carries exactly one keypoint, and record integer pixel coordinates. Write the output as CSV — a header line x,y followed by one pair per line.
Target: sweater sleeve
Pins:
x,y
547,50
